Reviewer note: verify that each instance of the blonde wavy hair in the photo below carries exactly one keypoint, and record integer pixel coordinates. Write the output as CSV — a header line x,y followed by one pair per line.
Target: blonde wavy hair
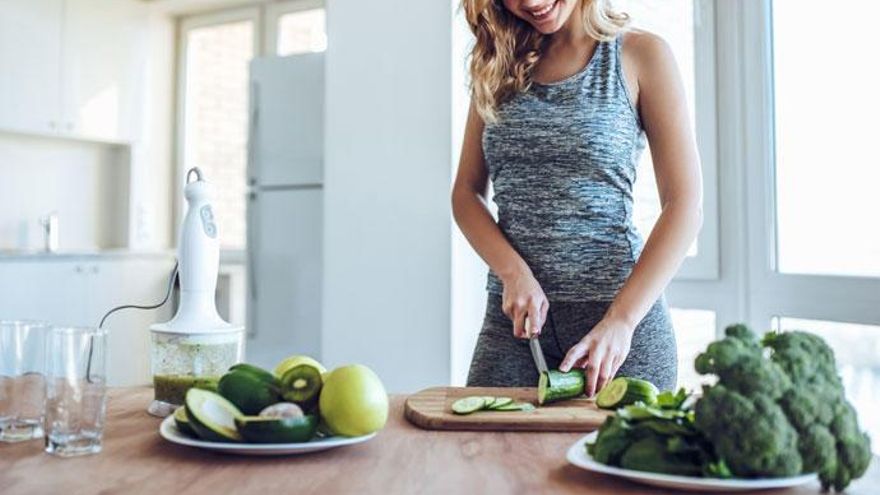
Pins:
x,y
507,48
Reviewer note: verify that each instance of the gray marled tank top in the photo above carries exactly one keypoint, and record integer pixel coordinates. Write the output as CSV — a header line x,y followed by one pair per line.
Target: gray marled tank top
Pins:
x,y
562,158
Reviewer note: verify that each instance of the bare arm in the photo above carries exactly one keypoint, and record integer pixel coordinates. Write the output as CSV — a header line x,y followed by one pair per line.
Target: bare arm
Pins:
x,y
523,297
663,109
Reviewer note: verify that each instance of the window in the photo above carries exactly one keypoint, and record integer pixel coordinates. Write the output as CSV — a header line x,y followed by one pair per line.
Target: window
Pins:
x,y
694,331
297,26
857,349
679,22
825,121
215,114
215,53
301,32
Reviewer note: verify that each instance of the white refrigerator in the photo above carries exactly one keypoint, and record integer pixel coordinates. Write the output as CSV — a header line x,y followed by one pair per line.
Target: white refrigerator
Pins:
x,y
284,214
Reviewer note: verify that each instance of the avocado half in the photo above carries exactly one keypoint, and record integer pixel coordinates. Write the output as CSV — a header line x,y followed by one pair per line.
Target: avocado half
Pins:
x,y
259,429
211,416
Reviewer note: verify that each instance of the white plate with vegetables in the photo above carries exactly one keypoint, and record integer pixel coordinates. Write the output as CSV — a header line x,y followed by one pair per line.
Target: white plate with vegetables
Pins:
x,y
578,455
169,432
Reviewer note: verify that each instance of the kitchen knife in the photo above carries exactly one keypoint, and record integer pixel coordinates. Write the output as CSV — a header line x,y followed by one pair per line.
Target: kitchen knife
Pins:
x,y
537,352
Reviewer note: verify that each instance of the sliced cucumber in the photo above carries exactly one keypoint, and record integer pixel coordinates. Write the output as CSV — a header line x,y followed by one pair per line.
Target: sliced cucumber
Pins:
x,y
490,401
515,406
467,405
301,384
211,416
499,402
555,386
623,391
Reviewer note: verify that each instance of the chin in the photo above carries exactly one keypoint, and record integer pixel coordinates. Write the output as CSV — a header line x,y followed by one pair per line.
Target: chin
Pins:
x,y
549,19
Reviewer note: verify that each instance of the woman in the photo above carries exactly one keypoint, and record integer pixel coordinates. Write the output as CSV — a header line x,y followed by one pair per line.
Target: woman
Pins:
x,y
563,100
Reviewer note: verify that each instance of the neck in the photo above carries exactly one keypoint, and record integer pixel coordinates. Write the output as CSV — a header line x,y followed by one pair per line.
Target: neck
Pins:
x,y
572,32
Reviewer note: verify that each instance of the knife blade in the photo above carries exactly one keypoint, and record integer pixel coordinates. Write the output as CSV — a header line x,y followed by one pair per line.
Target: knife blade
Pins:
x,y
537,352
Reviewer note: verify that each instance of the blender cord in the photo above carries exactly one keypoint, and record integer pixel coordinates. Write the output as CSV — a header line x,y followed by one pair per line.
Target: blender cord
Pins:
x,y
174,273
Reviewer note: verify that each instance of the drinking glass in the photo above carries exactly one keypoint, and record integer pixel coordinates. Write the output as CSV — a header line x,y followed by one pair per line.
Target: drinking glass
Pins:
x,y
76,392
22,379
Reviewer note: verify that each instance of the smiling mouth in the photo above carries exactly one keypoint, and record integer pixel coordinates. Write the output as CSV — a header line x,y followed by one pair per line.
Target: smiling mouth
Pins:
x,y
543,13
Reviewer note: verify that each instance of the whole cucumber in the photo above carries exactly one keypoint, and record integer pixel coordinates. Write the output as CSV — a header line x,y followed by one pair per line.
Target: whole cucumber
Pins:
x,y
555,385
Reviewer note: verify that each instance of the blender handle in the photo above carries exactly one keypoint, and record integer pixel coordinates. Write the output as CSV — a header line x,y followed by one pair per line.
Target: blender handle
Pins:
x,y
251,263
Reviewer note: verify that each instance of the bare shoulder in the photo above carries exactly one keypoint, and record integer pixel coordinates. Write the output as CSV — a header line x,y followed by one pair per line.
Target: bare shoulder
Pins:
x,y
646,54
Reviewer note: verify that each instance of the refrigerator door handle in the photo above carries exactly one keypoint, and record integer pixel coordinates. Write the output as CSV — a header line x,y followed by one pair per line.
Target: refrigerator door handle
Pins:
x,y
251,230
252,165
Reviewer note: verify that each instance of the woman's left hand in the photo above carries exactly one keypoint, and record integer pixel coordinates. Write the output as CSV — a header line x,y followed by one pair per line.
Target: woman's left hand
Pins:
x,y
600,353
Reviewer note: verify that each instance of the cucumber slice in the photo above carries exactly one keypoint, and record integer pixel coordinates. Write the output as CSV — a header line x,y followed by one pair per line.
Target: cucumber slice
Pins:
x,y
555,386
515,406
302,384
623,391
467,405
211,416
490,401
500,402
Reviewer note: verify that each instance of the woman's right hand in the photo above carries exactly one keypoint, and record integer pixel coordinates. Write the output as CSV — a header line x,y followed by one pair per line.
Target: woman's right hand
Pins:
x,y
524,302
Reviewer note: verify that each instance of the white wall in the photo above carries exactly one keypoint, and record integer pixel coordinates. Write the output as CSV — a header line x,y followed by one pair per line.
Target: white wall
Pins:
x,y
85,183
387,174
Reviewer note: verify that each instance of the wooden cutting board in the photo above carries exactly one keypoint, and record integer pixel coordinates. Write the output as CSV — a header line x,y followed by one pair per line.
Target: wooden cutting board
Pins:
x,y
432,409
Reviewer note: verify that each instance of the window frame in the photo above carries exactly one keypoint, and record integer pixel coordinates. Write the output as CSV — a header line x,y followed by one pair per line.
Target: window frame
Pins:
x,y
705,265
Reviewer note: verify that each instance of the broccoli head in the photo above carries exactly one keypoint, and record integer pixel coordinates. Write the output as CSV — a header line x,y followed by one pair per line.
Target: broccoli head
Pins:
x,y
739,362
750,433
780,412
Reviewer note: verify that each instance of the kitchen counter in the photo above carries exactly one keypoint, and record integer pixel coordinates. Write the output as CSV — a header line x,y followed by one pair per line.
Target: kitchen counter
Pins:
x,y
84,254
401,459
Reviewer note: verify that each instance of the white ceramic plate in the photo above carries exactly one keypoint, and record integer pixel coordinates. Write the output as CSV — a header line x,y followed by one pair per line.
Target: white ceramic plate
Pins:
x,y
577,455
169,432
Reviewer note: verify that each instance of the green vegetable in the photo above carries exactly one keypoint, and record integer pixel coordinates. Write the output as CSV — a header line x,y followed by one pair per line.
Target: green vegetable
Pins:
x,y
256,371
779,408
651,454
515,406
302,385
660,437
211,416
250,392
499,402
555,385
624,391
182,422
260,429
467,405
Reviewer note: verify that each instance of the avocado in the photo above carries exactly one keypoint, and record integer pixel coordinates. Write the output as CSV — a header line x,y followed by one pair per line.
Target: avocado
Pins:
x,y
248,391
182,422
260,429
258,372
211,416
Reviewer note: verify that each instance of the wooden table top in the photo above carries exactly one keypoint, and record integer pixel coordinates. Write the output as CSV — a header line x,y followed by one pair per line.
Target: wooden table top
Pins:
x,y
401,459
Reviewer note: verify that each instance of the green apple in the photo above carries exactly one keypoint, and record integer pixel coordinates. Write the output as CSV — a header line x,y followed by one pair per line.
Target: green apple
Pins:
x,y
294,361
353,401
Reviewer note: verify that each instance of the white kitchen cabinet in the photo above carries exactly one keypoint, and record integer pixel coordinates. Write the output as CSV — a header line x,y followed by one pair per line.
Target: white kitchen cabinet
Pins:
x,y
104,52
78,291
74,68
30,65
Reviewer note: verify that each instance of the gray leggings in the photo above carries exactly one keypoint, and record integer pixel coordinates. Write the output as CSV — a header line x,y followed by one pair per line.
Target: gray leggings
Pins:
x,y
501,360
